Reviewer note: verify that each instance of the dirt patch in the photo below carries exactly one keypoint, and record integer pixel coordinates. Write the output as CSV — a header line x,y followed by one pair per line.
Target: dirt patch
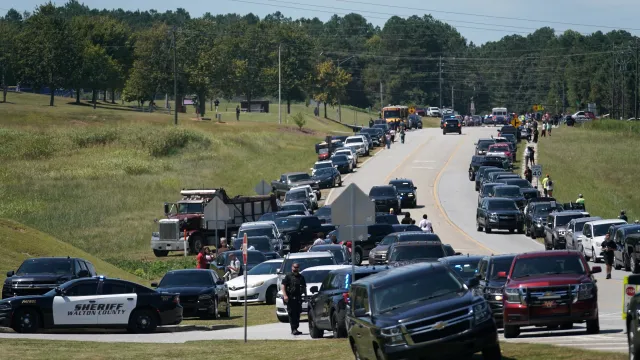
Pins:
x,y
295,130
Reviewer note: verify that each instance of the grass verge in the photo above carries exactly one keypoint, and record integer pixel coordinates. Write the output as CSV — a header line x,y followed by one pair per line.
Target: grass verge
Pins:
x,y
599,160
257,314
238,350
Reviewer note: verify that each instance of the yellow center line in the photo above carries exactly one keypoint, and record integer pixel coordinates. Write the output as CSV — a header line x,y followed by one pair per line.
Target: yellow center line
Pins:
x,y
441,209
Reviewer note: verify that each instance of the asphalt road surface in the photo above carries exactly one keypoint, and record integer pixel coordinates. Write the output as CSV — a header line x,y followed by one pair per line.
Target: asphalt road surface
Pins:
x,y
438,166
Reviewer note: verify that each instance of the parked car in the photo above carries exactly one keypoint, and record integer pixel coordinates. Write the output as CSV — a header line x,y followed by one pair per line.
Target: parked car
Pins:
x,y
574,231
340,252
380,253
272,249
499,213
536,213
410,252
328,178
342,163
482,145
556,228
254,257
492,284
262,282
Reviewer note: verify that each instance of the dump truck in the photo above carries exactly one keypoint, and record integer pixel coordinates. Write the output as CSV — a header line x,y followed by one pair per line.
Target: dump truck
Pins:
x,y
197,216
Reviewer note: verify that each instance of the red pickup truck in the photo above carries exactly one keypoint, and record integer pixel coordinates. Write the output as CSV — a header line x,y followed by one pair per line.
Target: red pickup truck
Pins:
x,y
550,288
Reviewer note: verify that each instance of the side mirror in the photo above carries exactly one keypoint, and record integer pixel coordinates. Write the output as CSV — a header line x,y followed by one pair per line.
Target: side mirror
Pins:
x,y
83,273
502,275
458,253
220,282
478,276
360,313
166,208
154,284
596,269
10,273
415,188
59,291
473,282
314,289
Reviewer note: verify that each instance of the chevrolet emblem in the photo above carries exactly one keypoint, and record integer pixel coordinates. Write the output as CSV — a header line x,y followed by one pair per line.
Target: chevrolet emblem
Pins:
x,y
440,325
548,293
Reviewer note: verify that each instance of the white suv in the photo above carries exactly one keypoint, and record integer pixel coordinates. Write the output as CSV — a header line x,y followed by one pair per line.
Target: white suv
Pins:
x,y
358,143
433,111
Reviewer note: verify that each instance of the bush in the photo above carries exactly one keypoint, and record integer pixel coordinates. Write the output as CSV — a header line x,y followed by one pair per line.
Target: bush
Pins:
x,y
299,120
153,269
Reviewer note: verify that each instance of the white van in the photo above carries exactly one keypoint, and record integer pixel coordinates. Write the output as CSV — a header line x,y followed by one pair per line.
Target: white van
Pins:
x,y
500,116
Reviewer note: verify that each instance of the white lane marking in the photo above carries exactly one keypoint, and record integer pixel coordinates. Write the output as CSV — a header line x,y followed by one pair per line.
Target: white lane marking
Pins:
x,y
424,161
422,167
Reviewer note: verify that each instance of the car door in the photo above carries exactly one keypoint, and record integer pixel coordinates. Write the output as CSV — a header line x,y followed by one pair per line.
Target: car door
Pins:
x,y
362,326
568,236
482,275
78,305
116,302
221,290
322,303
587,239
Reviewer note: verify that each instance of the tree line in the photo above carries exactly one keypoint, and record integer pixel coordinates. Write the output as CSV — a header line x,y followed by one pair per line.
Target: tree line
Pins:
x,y
417,60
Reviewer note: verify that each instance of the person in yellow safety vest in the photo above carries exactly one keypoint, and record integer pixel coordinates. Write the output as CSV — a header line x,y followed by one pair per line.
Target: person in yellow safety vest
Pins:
x,y
580,199
544,184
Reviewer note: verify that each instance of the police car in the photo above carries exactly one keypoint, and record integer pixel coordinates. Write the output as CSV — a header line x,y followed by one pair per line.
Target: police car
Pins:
x,y
96,302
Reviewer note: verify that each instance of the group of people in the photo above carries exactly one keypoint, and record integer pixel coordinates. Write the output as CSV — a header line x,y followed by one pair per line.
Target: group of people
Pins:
x,y
425,224
205,257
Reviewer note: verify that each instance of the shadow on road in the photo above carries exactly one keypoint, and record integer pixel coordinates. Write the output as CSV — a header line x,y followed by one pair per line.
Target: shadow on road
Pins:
x,y
533,333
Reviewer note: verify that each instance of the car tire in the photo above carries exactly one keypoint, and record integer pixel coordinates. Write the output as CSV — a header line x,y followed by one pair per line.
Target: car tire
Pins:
x,y
26,321
478,226
283,319
314,332
212,315
227,313
358,257
338,325
143,321
160,253
511,331
487,229
593,326
270,296
595,257
492,352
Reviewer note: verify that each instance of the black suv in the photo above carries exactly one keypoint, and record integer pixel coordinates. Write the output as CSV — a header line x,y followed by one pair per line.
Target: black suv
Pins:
x,y
479,162
512,192
362,249
499,213
556,227
38,276
466,266
452,126
482,171
535,215
483,145
405,253
407,191
298,231
386,197
379,254
419,309
491,285
328,304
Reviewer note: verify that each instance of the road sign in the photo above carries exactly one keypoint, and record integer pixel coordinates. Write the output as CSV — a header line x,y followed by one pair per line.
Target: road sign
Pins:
x,y
412,110
263,188
217,210
244,249
353,207
631,290
355,232
536,170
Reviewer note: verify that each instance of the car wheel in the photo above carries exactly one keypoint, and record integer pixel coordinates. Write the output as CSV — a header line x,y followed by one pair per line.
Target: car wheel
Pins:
x,y
143,321
283,319
626,264
492,352
270,297
26,321
487,229
358,256
160,253
227,313
594,256
338,326
593,326
511,331
585,255
314,332
212,314
478,226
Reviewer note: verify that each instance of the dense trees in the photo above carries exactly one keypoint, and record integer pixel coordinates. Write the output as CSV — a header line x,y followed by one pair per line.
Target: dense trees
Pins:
x,y
415,61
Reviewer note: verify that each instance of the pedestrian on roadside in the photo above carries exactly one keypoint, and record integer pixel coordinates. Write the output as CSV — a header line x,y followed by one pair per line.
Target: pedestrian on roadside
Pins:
x,y
319,240
549,187
549,127
293,288
526,155
388,140
608,245
580,199
544,185
203,258
535,135
528,175
544,129
216,103
623,216
407,219
238,113
233,267
402,135
425,224
532,155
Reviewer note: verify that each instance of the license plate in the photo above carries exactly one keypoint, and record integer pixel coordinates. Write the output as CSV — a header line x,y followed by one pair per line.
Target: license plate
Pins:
x,y
549,304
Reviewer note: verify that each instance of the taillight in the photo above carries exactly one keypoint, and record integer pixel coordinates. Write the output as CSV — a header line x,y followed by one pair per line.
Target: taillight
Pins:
x,y
345,297
176,300
459,125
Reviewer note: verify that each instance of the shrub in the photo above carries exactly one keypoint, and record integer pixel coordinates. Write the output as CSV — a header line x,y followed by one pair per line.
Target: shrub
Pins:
x,y
299,120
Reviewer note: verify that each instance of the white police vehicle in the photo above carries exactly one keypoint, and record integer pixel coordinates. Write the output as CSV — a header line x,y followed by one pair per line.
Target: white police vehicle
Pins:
x,y
95,302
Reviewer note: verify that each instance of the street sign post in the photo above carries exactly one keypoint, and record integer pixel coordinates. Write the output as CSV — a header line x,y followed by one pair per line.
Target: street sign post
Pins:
x,y
244,264
352,212
536,170
218,211
630,287
412,110
263,188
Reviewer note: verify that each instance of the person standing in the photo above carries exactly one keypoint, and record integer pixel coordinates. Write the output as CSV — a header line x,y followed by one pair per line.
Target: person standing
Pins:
x,y
294,287
319,240
407,219
402,135
549,187
535,135
549,128
233,267
528,174
388,139
203,258
623,216
238,113
425,224
580,200
544,129
526,155
544,184
532,155
216,103
608,245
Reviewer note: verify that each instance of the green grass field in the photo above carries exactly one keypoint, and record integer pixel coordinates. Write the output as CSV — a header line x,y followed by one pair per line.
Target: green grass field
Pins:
x,y
237,350
599,160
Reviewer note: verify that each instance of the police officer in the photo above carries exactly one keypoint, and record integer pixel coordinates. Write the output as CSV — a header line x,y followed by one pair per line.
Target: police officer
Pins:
x,y
623,216
293,288
608,245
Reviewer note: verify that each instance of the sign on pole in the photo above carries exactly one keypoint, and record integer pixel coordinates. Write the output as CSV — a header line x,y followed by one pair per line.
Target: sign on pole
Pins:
x,y
263,188
630,286
536,171
352,211
218,211
244,249
244,262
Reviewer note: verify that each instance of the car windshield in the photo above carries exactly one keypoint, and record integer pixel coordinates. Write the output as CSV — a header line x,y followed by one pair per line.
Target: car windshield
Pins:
x,y
600,230
186,279
402,185
353,140
325,171
324,211
413,289
345,153
502,205
322,165
391,114
295,195
263,231
382,191
484,145
288,223
337,252
499,265
547,265
340,158
266,268
308,262
46,266
408,253
190,208
294,206
506,191
418,237
299,177
260,244
501,149
465,269
564,220
315,276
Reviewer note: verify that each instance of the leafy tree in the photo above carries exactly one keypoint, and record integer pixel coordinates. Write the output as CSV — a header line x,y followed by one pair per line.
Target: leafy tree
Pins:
x,y
331,83
97,69
9,29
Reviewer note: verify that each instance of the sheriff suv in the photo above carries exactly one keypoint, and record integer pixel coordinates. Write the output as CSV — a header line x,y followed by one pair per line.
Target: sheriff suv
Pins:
x,y
550,288
418,309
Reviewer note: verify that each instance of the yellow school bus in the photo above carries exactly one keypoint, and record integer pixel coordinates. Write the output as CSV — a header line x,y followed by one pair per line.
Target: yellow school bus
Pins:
x,y
396,113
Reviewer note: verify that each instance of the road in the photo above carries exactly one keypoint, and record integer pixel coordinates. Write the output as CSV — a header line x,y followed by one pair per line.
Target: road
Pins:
x,y
438,166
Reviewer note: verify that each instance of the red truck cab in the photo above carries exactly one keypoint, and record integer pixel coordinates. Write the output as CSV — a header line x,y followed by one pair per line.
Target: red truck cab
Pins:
x,y
550,288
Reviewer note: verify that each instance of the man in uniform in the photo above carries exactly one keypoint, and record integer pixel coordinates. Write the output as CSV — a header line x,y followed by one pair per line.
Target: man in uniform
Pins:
x,y
293,288
608,245
623,216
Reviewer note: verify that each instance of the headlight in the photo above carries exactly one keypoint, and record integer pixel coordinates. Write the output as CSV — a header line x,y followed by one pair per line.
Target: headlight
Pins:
x,y
393,335
481,312
494,294
5,306
255,285
410,195
493,217
585,291
155,234
514,296
204,297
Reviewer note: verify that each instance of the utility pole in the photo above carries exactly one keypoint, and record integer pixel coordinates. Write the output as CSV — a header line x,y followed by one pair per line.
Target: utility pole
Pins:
x,y
175,80
279,86
440,77
339,104
613,82
452,101
635,92
381,100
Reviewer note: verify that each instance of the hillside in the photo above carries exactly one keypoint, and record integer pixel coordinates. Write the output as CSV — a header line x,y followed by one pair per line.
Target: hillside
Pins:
x,y
19,242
